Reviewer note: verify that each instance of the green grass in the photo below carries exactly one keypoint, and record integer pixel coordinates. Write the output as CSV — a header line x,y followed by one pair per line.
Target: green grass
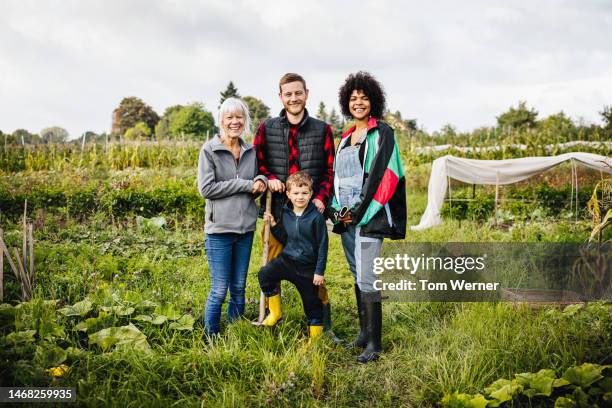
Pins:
x,y
429,348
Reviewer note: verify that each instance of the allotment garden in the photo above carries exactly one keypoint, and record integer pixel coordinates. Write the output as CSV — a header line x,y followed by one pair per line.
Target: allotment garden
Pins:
x,y
117,279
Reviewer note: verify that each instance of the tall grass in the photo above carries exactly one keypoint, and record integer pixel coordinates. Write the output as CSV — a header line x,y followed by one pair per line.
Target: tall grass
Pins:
x,y
165,154
429,348
115,156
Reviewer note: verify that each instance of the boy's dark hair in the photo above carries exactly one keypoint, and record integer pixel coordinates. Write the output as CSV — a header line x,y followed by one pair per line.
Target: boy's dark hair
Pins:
x,y
299,179
363,81
290,77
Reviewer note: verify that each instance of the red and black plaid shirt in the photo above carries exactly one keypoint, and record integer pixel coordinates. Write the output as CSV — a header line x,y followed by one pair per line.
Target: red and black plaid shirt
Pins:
x,y
323,190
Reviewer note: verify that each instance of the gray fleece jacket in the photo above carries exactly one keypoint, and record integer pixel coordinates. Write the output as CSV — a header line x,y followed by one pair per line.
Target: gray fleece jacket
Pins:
x,y
226,186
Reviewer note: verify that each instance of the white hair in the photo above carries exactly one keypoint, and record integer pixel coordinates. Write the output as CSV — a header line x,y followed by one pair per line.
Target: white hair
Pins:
x,y
234,105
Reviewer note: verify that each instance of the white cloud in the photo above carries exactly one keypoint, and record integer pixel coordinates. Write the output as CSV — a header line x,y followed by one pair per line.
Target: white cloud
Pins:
x,y
69,63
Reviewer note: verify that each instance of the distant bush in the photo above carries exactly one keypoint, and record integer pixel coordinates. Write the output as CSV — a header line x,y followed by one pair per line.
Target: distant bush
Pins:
x,y
81,203
519,202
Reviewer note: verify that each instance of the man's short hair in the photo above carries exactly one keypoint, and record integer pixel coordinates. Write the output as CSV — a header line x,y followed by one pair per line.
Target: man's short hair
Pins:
x,y
299,179
291,77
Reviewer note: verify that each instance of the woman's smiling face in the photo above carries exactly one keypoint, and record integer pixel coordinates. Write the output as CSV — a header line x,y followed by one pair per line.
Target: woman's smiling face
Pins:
x,y
233,124
359,105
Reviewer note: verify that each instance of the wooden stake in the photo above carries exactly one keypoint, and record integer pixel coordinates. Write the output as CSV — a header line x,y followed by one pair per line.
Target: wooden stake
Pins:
x,y
1,269
25,280
264,257
31,255
24,240
496,195
8,257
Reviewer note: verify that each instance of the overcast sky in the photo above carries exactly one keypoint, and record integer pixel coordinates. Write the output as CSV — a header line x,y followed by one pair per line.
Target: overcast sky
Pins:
x,y
69,63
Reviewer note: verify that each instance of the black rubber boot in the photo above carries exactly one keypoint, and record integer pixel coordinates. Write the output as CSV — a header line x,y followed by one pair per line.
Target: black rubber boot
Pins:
x,y
327,324
373,317
362,339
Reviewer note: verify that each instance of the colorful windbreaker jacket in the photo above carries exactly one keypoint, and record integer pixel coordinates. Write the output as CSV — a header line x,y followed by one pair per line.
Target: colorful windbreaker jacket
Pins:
x,y
382,209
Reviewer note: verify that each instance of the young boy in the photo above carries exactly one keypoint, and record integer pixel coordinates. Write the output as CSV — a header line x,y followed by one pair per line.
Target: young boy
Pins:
x,y
303,233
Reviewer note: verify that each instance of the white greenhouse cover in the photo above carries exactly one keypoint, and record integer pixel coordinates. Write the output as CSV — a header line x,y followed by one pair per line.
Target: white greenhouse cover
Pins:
x,y
493,172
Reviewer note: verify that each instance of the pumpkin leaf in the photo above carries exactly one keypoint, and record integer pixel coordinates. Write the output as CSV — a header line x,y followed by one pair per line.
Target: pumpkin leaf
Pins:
x,y
78,309
21,337
122,338
564,402
504,390
119,310
168,310
584,375
103,320
457,400
153,319
540,383
184,323
50,356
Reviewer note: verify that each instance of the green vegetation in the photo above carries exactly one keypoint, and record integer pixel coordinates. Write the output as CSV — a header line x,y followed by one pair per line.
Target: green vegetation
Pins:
x,y
121,280
92,277
587,385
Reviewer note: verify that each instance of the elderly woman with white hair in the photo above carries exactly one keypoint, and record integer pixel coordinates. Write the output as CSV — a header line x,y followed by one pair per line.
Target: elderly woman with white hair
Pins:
x,y
227,179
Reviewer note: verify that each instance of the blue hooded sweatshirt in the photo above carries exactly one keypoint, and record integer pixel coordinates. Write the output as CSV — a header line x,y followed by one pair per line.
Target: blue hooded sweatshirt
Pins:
x,y
304,238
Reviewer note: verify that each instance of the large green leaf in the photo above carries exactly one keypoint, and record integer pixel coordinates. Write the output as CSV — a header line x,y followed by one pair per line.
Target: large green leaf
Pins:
x,y
123,338
560,382
48,355
504,390
584,375
131,297
147,303
540,383
153,319
168,310
150,223
119,310
21,337
565,402
184,323
78,309
75,353
457,400
48,330
573,309
103,320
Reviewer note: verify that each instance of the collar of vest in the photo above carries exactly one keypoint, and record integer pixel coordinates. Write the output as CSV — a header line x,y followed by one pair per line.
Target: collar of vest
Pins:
x,y
217,144
372,123
283,117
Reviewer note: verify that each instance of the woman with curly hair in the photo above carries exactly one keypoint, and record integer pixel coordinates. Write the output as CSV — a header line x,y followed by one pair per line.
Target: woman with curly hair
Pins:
x,y
369,202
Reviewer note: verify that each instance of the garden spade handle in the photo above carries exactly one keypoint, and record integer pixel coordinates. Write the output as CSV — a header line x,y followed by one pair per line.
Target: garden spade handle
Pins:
x,y
264,257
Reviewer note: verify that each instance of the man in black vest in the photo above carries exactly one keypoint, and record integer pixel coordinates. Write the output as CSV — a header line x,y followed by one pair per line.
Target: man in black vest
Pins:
x,y
291,142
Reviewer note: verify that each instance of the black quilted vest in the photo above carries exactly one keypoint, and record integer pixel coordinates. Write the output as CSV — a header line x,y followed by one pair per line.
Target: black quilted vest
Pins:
x,y
311,157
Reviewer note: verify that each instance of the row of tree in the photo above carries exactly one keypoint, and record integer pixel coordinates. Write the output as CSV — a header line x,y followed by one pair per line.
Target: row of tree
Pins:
x,y
133,119
519,124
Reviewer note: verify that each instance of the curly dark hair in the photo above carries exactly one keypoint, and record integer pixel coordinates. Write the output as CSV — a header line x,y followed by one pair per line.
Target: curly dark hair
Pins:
x,y
363,81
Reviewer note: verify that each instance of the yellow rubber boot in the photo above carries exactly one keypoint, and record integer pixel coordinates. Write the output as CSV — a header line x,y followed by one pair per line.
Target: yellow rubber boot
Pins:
x,y
314,332
274,304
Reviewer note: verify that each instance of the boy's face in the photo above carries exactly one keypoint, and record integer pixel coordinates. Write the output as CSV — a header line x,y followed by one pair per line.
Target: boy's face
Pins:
x,y
299,197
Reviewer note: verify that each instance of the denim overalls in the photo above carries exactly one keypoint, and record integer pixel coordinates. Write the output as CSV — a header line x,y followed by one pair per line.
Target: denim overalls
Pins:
x,y
359,251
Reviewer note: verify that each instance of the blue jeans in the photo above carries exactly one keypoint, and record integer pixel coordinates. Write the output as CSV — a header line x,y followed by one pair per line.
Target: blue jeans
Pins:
x,y
360,253
228,263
